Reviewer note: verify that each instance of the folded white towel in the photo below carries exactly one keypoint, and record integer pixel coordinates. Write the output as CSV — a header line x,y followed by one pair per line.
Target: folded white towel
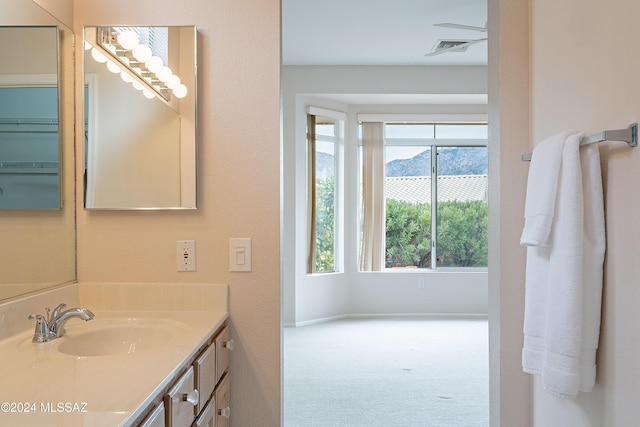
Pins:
x,y
542,186
593,252
564,275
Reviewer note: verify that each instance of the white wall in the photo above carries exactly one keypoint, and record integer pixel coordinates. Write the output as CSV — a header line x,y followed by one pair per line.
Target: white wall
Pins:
x,y
355,90
239,186
585,76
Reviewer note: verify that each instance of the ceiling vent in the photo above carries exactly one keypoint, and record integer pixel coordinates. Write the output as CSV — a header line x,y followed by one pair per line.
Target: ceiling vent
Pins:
x,y
448,44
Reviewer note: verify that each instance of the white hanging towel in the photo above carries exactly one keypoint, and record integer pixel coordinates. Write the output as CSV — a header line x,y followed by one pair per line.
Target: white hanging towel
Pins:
x,y
564,270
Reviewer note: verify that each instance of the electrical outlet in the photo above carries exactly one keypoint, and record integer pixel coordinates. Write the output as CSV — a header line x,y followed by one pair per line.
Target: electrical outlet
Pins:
x,y
186,255
421,283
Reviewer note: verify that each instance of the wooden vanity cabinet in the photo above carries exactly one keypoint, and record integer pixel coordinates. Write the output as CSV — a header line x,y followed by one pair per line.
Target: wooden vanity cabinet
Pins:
x,y
200,395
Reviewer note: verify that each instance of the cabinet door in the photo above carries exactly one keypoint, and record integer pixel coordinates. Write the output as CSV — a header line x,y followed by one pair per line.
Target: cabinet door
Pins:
x,y
208,416
223,408
181,400
224,345
155,418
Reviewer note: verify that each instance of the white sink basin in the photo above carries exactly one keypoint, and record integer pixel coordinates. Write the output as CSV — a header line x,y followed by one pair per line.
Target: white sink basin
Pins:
x,y
118,336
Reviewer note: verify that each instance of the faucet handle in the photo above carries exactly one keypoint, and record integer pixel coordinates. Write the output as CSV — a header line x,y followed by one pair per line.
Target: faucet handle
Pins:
x,y
41,332
56,311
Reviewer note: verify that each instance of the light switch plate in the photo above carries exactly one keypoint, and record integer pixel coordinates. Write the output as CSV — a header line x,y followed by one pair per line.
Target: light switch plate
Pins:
x,y
240,254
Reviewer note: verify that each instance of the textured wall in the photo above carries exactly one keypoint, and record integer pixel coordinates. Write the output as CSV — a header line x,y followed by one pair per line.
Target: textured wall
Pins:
x,y
508,139
239,149
585,77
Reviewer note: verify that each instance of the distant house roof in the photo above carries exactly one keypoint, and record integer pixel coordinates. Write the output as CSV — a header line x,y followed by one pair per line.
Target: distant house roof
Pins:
x,y
417,189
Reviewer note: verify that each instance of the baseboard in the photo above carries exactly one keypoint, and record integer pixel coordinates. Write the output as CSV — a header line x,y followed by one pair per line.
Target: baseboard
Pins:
x,y
425,315
316,321
363,315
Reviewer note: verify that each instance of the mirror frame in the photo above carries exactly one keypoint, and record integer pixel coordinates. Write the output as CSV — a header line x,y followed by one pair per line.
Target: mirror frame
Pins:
x,y
184,187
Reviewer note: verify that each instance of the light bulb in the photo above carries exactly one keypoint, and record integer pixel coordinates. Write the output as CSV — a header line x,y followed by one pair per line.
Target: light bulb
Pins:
x,y
87,45
137,85
126,77
154,64
164,74
111,66
180,91
173,82
98,56
147,93
128,40
142,53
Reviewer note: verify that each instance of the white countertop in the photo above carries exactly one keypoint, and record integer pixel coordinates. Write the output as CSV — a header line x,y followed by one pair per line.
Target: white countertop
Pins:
x,y
48,388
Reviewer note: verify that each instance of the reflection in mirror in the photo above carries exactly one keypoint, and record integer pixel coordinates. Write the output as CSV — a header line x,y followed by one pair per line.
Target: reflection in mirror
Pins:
x,y
38,246
29,140
62,10
140,117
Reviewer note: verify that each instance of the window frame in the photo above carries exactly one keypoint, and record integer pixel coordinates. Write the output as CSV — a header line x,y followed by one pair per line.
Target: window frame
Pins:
x,y
338,141
433,144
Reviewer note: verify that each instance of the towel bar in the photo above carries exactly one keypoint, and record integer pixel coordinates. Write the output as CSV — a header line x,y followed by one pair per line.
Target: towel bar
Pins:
x,y
628,135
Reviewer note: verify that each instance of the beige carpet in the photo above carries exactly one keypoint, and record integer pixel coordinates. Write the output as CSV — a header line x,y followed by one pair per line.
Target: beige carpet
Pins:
x,y
404,371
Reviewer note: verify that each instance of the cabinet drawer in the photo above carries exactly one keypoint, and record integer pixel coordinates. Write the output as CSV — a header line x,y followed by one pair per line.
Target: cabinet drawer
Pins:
x,y
205,375
224,345
180,401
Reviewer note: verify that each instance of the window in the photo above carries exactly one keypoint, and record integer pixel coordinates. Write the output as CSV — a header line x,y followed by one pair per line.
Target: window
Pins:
x,y
435,206
323,137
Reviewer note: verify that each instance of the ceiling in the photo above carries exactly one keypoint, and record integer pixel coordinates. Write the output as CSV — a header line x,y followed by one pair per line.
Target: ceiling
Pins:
x,y
379,32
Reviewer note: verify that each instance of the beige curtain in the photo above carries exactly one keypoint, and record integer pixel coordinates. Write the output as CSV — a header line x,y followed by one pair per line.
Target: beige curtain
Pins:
x,y
311,193
373,212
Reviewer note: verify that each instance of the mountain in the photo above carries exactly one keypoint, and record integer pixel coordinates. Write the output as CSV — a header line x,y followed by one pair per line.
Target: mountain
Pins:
x,y
325,165
451,161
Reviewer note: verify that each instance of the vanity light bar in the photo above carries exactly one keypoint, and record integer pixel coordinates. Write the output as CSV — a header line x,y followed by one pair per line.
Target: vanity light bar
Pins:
x,y
139,70
107,40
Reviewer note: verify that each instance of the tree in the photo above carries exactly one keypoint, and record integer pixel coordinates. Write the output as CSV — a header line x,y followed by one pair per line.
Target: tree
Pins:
x,y
325,224
408,235
462,234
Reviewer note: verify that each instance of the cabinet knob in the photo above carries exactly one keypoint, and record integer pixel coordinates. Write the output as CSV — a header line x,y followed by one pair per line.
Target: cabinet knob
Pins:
x,y
228,345
225,412
192,397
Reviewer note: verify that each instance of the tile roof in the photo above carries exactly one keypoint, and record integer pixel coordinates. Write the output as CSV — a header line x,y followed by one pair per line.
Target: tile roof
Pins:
x,y
417,189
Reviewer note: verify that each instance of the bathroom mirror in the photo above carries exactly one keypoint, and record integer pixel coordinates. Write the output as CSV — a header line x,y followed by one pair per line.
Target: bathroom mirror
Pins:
x,y
38,245
140,117
29,137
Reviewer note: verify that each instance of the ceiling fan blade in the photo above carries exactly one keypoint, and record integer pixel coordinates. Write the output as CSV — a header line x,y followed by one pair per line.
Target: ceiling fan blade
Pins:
x,y
454,48
461,27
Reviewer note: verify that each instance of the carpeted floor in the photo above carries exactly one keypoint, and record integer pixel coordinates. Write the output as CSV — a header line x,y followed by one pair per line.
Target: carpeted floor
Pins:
x,y
387,372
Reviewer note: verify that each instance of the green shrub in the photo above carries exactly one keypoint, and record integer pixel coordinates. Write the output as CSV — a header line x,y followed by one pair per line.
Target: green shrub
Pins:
x,y
462,234
325,224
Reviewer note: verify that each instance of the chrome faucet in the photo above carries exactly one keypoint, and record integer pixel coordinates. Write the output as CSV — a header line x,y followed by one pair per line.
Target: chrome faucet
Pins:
x,y
52,326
